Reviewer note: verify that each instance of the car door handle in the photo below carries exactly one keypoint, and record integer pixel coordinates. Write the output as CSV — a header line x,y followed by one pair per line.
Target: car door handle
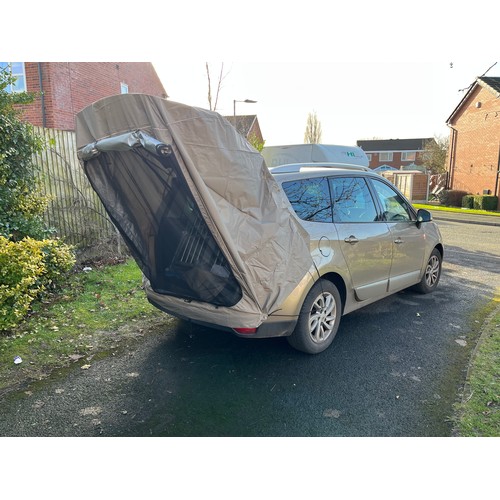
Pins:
x,y
398,241
352,239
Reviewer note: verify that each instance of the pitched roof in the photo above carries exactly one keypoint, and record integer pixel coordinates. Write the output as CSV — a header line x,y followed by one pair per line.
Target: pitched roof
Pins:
x,y
242,123
394,144
492,83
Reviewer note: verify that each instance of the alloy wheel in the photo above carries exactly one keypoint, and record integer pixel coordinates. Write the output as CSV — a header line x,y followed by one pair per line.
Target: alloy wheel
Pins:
x,y
432,271
322,317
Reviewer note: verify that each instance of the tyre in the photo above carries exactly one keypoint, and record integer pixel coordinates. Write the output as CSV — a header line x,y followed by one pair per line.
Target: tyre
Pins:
x,y
319,319
432,273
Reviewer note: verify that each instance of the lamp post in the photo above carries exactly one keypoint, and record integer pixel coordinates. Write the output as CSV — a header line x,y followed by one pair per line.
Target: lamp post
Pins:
x,y
248,101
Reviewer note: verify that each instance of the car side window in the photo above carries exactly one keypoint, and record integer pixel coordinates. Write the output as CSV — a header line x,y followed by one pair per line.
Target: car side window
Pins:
x,y
310,198
394,207
352,201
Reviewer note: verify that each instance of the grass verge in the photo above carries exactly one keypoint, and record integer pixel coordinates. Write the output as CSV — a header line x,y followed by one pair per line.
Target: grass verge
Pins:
x,y
478,415
456,209
97,311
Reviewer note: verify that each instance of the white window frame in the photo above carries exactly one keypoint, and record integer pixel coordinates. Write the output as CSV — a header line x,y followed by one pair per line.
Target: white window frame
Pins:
x,y
408,155
11,88
369,156
385,156
123,88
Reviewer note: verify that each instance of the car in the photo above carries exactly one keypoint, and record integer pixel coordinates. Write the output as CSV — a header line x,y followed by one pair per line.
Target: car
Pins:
x,y
367,242
224,241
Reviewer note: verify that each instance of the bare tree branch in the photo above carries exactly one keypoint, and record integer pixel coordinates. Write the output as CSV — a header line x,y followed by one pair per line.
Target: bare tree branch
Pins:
x,y
209,87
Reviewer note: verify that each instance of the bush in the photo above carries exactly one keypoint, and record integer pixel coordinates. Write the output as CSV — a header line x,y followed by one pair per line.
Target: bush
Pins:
x,y
22,202
27,268
486,202
480,202
452,197
468,201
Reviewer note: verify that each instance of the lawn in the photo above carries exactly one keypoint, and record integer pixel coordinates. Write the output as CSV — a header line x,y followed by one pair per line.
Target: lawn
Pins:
x,y
97,311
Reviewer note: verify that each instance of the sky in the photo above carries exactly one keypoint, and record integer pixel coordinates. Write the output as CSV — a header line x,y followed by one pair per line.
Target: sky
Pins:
x,y
352,100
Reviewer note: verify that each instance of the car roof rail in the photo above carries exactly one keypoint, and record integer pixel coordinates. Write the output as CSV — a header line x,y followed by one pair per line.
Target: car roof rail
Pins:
x,y
293,168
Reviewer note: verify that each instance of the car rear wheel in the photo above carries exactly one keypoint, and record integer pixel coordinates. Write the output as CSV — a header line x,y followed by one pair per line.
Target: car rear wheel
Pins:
x,y
432,273
319,319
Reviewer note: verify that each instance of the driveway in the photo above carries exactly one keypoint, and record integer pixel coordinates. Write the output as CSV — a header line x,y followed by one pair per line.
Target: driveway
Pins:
x,y
394,369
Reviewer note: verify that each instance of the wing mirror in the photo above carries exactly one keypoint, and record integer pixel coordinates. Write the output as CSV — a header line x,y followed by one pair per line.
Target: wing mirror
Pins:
x,y
423,216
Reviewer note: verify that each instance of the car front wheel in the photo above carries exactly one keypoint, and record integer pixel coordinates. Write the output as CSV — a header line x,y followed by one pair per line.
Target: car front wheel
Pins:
x,y
432,273
319,319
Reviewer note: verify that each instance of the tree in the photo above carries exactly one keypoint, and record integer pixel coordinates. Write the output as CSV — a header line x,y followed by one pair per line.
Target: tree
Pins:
x,y
212,102
256,142
435,154
22,203
313,132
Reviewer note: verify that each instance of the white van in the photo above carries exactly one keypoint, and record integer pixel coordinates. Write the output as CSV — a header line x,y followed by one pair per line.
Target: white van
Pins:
x,y
314,153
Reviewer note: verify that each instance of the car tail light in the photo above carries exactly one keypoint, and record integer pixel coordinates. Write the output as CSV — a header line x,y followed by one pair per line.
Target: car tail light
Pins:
x,y
245,331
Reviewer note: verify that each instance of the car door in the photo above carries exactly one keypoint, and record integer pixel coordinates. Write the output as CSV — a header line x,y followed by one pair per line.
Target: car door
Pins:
x,y
365,240
408,239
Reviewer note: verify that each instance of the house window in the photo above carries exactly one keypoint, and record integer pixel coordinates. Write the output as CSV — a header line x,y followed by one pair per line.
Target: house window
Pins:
x,y
16,69
385,156
369,156
123,88
408,156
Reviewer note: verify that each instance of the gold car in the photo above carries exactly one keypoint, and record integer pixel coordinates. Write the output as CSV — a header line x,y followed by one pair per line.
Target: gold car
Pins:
x,y
366,241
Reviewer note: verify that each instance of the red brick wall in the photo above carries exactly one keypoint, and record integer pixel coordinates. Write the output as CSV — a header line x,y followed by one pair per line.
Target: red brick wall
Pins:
x,y
475,161
69,87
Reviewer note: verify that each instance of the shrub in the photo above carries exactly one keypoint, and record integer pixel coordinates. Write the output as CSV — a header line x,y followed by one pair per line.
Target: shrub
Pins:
x,y
452,197
58,260
468,201
480,202
22,202
486,202
27,268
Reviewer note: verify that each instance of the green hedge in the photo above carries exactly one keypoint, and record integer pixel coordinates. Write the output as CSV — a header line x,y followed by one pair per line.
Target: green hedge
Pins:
x,y
480,202
27,268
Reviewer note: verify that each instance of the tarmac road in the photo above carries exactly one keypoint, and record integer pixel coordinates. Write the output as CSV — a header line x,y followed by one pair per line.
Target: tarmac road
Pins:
x,y
394,369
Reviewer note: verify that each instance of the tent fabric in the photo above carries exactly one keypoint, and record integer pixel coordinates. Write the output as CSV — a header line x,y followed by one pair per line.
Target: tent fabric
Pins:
x,y
159,166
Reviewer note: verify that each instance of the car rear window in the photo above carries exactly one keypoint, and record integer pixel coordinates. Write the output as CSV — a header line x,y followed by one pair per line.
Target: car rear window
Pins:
x,y
310,198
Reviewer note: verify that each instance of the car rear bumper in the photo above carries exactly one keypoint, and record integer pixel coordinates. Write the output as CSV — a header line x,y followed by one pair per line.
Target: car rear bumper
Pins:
x,y
274,326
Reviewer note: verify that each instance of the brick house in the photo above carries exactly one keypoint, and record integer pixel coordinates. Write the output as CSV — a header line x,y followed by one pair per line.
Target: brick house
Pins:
x,y
396,153
68,87
247,125
474,152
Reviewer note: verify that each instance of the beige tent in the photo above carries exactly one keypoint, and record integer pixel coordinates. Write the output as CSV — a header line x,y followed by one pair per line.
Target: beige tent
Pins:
x,y
211,230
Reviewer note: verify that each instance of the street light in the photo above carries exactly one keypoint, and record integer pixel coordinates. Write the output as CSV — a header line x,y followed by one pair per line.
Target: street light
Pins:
x,y
248,101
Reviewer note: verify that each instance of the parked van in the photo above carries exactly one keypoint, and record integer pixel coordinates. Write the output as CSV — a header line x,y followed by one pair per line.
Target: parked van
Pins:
x,y
314,153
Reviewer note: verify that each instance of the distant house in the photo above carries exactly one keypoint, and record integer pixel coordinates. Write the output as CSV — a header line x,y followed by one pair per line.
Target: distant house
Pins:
x,y
396,153
247,125
66,88
474,152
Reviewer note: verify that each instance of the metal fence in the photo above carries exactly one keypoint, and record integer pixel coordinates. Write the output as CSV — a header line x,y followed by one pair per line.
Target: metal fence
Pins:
x,y
75,211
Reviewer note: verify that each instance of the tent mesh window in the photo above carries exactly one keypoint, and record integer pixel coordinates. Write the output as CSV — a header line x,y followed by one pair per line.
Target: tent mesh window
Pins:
x,y
150,203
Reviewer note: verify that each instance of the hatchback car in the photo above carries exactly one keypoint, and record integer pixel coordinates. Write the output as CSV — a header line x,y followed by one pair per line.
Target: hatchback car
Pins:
x,y
224,241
